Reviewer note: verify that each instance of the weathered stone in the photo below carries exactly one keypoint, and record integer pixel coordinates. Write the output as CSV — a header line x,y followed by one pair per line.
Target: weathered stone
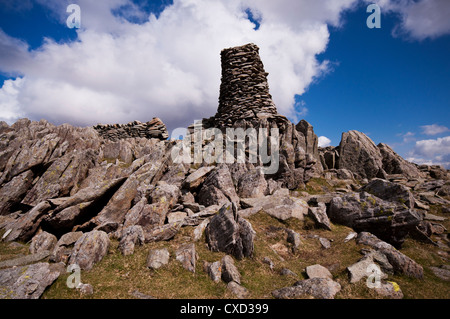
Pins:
x,y
319,215
85,289
401,263
176,217
195,179
252,184
158,258
215,271
319,288
395,164
441,272
43,241
25,260
390,290
293,238
187,256
161,233
389,191
28,282
218,188
280,207
360,155
365,212
89,249
229,233
239,291
25,227
12,193
318,271
229,270
62,250
130,237
325,243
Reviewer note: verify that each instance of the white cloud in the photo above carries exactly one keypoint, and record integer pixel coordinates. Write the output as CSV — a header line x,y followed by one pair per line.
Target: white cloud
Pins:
x,y
432,151
9,105
434,129
324,141
420,19
168,67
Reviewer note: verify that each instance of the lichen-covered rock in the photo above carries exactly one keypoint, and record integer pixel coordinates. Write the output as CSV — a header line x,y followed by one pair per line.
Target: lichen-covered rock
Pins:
x,y
158,258
229,233
229,270
390,191
187,256
131,236
319,288
89,249
218,188
395,164
43,241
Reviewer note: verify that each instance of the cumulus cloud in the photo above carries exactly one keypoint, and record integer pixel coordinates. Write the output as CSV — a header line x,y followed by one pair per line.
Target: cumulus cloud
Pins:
x,y
324,141
434,129
420,19
432,151
118,71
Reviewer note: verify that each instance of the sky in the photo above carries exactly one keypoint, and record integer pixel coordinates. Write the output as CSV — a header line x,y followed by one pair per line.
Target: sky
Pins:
x,y
136,59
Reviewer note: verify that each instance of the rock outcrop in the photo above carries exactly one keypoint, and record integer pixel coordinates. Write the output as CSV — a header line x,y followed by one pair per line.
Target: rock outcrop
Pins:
x,y
152,129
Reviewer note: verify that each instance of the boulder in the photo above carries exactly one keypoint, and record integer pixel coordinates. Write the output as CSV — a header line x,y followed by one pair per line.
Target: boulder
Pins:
x,y
280,207
218,188
389,191
42,242
395,164
318,271
64,247
252,184
187,256
319,216
229,270
131,236
389,290
89,249
365,212
28,282
161,233
158,258
229,233
239,291
360,155
215,271
12,192
319,288
194,180
400,262
293,238
25,260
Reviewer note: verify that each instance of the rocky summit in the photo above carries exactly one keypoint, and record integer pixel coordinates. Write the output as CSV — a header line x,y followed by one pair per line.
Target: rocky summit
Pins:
x,y
112,205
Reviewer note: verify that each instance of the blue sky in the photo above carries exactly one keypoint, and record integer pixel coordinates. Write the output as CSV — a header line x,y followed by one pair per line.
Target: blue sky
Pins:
x,y
139,59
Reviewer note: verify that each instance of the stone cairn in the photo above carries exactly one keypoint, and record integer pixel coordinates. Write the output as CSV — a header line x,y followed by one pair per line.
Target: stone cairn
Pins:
x,y
152,129
244,90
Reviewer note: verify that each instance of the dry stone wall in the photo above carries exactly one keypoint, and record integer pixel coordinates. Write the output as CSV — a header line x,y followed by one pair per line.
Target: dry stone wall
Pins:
x,y
152,129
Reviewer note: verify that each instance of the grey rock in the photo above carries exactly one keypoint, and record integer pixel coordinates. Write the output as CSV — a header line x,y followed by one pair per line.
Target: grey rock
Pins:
x,y
287,272
389,290
318,271
229,270
325,243
85,289
441,272
158,258
252,184
131,236
280,207
28,282
187,256
195,179
319,215
176,217
43,241
319,288
293,238
89,249
229,233
12,192
400,262
239,291
215,271
25,260
218,188
161,233
395,164
390,191
63,249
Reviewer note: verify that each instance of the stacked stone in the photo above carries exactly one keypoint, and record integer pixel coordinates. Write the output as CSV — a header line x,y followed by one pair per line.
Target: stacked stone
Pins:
x,y
152,129
244,91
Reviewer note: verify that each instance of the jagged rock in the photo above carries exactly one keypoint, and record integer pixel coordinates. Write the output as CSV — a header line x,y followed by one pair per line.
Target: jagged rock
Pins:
x,y
390,191
252,184
12,192
161,233
131,236
325,243
360,155
152,129
400,262
176,217
195,179
229,270
395,164
62,250
66,219
43,241
319,215
89,249
361,269
25,227
319,288
187,256
318,271
158,258
365,212
442,272
28,282
229,233
218,188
